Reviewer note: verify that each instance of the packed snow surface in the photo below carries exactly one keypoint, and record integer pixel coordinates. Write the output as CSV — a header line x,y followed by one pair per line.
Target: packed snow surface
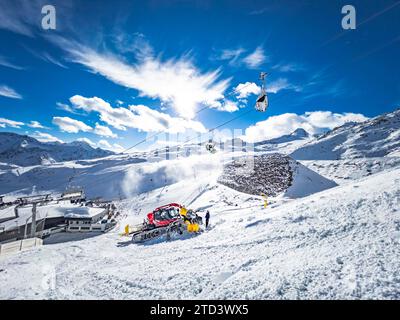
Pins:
x,y
339,243
330,231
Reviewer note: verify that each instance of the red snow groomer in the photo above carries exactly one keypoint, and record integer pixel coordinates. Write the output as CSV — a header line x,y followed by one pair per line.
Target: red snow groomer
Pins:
x,y
170,219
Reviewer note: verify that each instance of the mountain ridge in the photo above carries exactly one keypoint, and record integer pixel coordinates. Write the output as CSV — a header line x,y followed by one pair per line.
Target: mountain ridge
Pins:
x,y
24,150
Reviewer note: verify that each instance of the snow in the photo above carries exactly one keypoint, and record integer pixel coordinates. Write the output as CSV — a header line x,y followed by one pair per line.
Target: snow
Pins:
x,y
306,182
341,243
377,137
27,151
333,233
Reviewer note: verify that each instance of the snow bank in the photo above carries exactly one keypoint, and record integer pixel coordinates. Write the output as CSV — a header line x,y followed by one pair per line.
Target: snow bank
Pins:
x,y
341,243
306,182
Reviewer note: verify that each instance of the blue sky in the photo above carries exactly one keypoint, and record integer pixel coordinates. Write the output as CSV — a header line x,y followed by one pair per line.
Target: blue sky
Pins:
x,y
114,72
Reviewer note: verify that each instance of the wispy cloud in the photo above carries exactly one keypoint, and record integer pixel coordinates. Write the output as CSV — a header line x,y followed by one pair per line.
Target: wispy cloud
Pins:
x,y
104,131
312,122
88,141
240,56
10,123
230,55
36,125
24,16
103,144
49,58
18,16
176,82
8,92
288,67
282,84
256,58
67,108
6,63
67,124
139,117
45,137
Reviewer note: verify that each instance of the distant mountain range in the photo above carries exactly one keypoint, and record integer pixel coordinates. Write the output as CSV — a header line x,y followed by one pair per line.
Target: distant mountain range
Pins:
x,y
298,134
377,137
23,150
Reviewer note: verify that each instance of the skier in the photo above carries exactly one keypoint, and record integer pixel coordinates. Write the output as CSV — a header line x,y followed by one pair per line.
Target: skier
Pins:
x,y
207,218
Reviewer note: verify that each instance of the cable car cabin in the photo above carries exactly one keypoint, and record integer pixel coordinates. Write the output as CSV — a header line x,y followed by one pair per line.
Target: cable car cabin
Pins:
x,y
262,103
210,147
262,100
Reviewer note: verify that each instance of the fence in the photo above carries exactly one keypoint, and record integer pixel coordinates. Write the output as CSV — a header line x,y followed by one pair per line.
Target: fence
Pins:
x,y
16,246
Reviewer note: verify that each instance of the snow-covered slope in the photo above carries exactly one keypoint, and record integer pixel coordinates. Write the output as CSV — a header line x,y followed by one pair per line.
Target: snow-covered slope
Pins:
x,y
27,151
341,243
348,170
377,137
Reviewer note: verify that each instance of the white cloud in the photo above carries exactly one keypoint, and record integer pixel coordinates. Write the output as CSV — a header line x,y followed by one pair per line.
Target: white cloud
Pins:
x,y
9,92
88,141
312,122
138,117
5,63
228,106
69,125
45,137
281,84
104,131
35,124
288,67
231,55
103,144
48,58
117,148
246,89
255,59
10,123
67,108
176,82
17,16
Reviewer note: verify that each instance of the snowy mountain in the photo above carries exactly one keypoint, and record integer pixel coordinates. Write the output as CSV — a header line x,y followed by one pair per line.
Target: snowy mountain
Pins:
x,y
377,137
285,144
27,151
298,134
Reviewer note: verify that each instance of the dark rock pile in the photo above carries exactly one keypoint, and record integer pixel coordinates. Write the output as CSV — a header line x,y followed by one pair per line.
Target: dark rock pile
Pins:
x,y
262,174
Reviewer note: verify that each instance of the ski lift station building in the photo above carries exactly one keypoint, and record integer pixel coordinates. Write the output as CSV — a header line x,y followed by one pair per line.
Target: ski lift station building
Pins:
x,y
86,219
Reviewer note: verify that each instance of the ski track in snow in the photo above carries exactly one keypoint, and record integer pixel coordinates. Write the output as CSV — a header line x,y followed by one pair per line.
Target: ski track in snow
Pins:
x,y
341,243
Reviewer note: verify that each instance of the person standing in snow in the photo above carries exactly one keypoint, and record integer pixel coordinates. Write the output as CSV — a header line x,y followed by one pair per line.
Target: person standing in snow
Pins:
x,y
207,218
